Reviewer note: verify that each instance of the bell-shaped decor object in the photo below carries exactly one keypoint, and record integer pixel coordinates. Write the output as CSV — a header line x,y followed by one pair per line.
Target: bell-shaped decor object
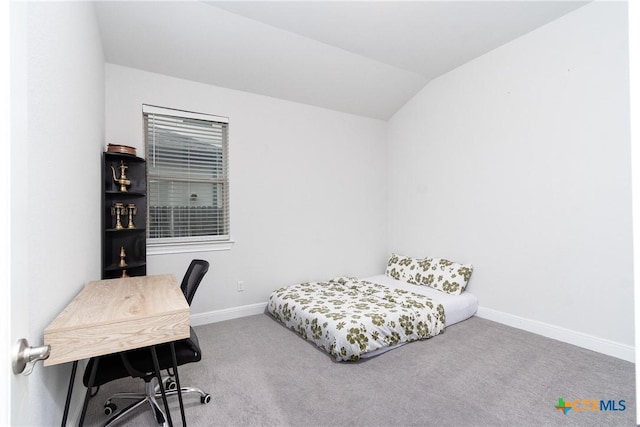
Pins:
x,y
123,255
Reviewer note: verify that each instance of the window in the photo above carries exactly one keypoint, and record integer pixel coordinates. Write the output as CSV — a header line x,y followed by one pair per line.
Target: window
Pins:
x,y
187,180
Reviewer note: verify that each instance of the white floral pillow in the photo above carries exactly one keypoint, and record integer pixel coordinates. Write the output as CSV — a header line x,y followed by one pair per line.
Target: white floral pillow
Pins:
x,y
438,273
402,268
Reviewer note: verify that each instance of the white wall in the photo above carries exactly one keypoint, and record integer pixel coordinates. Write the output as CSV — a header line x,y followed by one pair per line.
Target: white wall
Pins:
x,y
518,162
58,126
308,186
634,83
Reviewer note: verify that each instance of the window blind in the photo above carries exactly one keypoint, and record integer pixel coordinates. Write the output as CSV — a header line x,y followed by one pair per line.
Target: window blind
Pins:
x,y
187,176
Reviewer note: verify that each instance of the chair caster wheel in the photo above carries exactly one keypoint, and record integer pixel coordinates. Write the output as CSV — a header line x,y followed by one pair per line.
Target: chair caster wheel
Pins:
x,y
170,384
109,408
205,399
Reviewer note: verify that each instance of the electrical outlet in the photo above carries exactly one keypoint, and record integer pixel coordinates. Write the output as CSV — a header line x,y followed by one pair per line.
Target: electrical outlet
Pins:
x,y
240,285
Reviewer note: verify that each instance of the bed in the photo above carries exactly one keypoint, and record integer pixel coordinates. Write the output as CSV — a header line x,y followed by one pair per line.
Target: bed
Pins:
x,y
352,318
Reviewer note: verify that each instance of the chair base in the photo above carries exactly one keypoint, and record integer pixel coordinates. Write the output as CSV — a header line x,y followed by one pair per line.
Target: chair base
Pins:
x,y
152,396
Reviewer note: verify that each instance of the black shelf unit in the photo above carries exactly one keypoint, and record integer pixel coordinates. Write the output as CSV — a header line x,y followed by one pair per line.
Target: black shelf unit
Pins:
x,y
130,240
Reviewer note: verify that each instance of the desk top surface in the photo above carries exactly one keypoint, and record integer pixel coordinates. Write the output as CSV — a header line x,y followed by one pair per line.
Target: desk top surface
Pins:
x,y
114,315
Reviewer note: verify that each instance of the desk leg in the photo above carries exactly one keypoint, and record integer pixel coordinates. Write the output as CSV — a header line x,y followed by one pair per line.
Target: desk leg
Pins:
x,y
156,365
175,371
92,378
74,368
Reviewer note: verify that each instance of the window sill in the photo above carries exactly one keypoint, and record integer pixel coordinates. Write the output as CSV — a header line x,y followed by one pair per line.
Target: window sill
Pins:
x,y
180,248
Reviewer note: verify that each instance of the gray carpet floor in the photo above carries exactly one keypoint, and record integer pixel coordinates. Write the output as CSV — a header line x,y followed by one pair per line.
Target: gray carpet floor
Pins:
x,y
478,373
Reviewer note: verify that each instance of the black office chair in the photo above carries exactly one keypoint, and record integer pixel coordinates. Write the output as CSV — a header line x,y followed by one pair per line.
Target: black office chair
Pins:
x,y
190,282
138,363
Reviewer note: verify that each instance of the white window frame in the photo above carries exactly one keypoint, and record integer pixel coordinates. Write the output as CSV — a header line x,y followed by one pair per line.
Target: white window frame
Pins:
x,y
172,245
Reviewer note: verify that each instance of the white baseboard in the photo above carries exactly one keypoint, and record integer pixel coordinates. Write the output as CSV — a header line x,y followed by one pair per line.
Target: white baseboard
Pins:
x,y
610,348
227,314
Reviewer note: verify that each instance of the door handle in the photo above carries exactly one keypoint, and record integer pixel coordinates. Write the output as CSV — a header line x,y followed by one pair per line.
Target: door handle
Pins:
x,y
25,357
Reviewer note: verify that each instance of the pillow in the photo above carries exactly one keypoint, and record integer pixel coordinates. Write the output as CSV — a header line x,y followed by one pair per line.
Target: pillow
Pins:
x,y
402,268
438,273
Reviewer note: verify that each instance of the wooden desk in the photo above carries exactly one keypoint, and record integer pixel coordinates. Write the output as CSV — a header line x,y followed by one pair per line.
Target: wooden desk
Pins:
x,y
115,315
110,316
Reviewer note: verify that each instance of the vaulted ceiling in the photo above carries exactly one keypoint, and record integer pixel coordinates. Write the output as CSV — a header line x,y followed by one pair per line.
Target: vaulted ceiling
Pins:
x,y
361,57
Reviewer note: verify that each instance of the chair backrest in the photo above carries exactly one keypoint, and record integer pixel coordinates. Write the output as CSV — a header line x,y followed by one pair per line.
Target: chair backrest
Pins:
x,y
192,278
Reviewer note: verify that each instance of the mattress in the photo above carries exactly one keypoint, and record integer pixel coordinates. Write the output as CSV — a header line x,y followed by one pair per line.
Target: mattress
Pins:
x,y
352,319
456,307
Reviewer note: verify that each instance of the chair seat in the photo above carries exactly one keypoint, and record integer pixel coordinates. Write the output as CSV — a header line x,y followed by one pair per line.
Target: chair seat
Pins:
x,y
111,367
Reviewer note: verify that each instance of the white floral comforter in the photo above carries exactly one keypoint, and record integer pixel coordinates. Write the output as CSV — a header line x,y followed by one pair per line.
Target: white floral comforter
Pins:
x,y
348,318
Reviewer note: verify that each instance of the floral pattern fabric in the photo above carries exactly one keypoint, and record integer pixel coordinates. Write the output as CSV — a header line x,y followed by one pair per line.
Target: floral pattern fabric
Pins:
x,y
438,273
348,318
